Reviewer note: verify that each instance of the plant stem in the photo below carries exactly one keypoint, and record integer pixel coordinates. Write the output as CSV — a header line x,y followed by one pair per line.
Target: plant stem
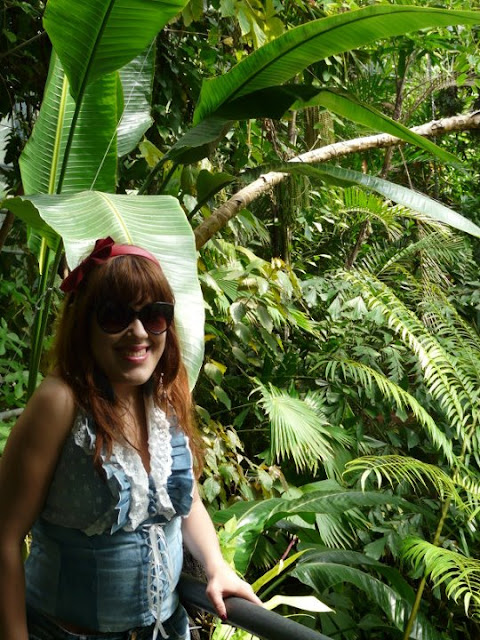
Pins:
x,y
41,318
151,176
273,586
421,586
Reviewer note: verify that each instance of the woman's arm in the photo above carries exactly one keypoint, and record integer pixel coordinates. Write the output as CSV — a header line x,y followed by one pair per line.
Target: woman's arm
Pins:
x,y
201,540
26,469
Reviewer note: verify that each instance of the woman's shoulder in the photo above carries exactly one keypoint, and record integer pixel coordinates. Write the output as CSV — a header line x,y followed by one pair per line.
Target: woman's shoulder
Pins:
x,y
53,404
54,390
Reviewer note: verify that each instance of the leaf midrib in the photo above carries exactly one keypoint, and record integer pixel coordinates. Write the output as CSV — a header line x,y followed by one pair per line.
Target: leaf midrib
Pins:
x,y
328,31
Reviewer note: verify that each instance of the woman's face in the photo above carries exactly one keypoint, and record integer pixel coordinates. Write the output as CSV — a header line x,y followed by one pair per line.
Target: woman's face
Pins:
x,y
127,358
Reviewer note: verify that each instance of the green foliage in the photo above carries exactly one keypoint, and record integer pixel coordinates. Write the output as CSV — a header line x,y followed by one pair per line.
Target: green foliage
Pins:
x,y
323,569
340,326
457,573
299,428
400,469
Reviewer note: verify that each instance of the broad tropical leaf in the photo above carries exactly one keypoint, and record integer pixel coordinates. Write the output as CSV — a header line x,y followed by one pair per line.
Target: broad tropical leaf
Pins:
x,y
92,159
137,83
323,570
349,107
396,193
208,184
273,102
200,141
280,60
105,35
273,573
157,223
28,212
306,603
254,517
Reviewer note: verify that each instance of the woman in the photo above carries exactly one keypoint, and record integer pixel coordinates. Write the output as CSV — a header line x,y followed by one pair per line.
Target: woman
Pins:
x,y
99,466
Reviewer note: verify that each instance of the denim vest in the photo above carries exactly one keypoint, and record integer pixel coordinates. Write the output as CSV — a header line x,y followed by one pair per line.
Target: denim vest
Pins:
x,y
106,552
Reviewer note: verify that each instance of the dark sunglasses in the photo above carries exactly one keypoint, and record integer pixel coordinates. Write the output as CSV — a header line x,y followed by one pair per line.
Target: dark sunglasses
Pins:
x,y
113,317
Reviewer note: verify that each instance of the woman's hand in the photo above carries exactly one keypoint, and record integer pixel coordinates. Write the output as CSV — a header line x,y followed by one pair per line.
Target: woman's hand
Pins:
x,y
201,540
224,582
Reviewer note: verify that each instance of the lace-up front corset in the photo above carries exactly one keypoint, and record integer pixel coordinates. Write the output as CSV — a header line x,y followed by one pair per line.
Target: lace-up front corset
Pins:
x,y
107,552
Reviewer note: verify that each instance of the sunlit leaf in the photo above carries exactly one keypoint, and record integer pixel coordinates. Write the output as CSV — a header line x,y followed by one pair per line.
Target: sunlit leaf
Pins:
x,y
105,35
157,223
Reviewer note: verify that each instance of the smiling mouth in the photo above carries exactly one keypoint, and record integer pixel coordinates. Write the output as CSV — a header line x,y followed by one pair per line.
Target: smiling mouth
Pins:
x,y
135,353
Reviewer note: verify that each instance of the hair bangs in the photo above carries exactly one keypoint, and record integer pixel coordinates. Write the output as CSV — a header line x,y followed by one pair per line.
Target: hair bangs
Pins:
x,y
133,280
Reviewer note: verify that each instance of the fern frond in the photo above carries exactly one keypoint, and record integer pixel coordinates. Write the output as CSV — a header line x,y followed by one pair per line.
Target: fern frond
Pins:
x,y
452,390
397,469
440,250
367,376
459,574
455,334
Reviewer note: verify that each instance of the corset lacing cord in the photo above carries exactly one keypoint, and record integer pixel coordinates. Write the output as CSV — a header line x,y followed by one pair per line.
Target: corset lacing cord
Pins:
x,y
160,576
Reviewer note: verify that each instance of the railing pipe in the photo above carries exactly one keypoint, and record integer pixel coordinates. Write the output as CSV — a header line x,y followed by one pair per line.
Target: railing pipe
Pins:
x,y
262,623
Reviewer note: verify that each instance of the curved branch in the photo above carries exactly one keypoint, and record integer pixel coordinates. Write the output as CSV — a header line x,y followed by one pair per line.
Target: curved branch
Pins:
x,y
220,217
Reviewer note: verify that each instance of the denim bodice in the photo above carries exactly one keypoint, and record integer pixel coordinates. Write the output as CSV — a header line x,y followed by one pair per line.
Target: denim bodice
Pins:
x,y
106,551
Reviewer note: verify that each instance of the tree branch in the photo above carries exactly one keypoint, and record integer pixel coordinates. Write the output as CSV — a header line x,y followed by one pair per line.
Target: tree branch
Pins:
x,y
220,217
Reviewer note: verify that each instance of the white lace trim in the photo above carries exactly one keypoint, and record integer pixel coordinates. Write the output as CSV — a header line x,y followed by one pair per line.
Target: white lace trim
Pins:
x,y
160,449
128,459
160,575
81,433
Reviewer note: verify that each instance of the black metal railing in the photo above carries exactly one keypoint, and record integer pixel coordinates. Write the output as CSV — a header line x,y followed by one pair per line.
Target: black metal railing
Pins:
x,y
245,615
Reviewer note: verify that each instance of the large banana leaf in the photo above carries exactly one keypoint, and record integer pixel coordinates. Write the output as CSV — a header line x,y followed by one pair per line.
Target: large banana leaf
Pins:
x,y
95,37
137,83
157,223
283,58
406,197
92,159
349,107
273,102
323,570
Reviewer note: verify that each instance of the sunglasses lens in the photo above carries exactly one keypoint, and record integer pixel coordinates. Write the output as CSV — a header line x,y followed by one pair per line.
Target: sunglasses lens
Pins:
x,y
114,318
156,317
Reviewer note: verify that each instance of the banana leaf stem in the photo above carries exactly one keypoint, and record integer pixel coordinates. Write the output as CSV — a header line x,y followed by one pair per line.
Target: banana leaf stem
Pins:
x,y
41,319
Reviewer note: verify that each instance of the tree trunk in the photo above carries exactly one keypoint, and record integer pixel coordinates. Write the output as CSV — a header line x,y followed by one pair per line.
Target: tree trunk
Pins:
x,y
220,217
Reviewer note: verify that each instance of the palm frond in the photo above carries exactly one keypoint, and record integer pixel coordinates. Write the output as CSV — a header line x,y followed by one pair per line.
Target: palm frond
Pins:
x,y
459,574
458,337
297,429
368,206
367,377
333,532
397,469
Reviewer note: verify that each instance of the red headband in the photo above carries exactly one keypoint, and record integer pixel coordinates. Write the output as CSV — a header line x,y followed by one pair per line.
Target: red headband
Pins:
x,y
104,250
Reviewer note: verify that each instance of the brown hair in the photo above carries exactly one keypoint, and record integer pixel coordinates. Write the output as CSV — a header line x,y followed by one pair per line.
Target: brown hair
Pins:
x,y
129,280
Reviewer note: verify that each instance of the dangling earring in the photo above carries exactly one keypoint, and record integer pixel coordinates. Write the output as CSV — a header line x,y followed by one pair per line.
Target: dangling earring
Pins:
x,y
163,390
